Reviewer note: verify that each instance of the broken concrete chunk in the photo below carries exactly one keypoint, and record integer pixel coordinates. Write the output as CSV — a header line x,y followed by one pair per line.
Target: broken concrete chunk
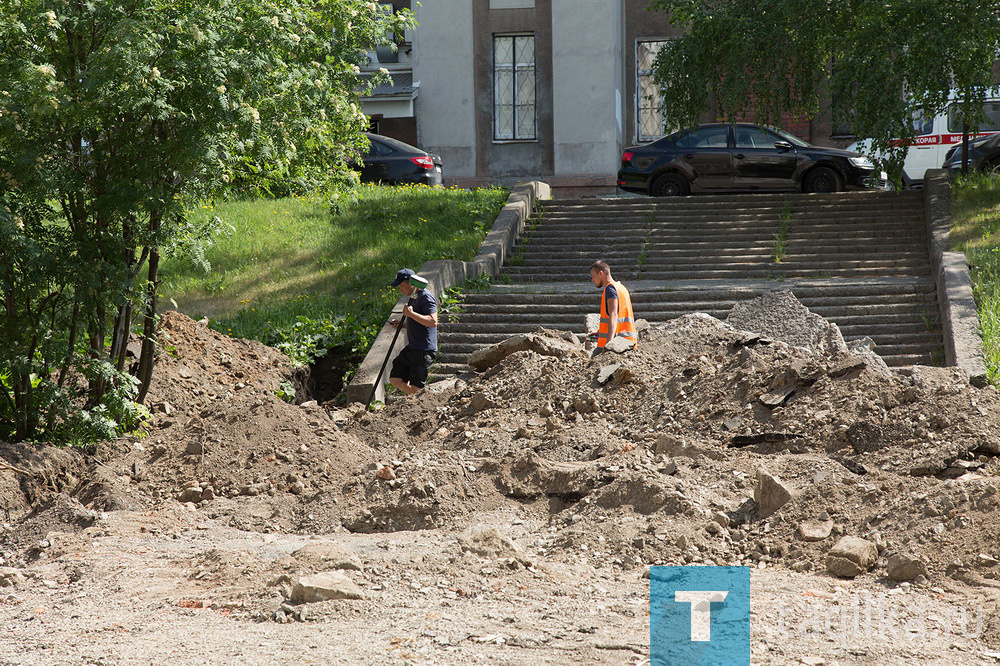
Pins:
x,y
483,359
770,493
480,402
489,543
864,349
568,336
619,345
190,495
778,396
605,374
779,315
329,555
845,364
10,576
324,586
815,530
851,556
905,567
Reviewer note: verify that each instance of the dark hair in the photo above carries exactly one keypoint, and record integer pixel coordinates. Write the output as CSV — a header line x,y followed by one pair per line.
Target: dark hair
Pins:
x,y
601,266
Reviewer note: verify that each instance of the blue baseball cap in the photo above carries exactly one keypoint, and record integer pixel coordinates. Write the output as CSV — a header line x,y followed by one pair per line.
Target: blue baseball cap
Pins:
x,y
402,276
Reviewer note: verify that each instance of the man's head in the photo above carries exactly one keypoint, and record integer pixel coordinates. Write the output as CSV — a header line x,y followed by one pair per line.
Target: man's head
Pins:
x,y
600,273
403,281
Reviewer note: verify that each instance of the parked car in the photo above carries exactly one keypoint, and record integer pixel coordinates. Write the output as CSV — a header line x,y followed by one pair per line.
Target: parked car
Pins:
x,y
935,136
984,155
741,157
393,162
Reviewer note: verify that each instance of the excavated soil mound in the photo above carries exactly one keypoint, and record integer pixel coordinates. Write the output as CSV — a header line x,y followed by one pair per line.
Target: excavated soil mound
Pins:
x,y
662,454
654,456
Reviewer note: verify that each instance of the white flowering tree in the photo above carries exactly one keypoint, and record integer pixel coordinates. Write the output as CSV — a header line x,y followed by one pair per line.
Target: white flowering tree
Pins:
x,y
114,117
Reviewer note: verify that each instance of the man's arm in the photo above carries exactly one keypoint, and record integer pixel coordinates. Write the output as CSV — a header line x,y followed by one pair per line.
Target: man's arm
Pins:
x,y
428,320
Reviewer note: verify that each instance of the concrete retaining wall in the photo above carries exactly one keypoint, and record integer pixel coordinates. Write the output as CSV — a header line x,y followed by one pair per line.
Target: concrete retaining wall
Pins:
x,y
443,274
963,346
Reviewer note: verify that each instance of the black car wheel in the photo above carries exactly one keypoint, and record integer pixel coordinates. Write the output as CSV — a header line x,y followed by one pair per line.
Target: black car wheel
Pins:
x,y
669,185
992,166
822,180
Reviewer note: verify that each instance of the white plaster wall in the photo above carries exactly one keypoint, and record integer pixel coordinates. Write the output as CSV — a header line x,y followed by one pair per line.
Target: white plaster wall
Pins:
x,y
442,63
587,70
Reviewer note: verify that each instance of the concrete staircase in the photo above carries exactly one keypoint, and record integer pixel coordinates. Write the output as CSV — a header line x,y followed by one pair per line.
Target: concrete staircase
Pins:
x,y
859,259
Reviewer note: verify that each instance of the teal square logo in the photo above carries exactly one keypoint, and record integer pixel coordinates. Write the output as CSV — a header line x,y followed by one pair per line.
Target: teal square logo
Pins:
x,y
699,616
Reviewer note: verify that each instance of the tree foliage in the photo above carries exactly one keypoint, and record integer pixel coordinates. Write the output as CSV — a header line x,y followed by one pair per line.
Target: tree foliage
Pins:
x,y
877,60
115,117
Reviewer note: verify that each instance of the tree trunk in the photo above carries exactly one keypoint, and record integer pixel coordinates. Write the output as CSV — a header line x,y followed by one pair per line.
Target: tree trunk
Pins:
x,y
123,351
145,372
965,148
119,338
71,344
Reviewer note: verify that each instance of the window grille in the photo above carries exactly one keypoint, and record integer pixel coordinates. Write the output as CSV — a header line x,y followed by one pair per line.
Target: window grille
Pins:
x,y
650,124
513,87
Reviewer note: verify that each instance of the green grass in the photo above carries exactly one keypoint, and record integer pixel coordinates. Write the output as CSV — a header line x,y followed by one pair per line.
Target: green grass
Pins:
x,y
975,212
287,269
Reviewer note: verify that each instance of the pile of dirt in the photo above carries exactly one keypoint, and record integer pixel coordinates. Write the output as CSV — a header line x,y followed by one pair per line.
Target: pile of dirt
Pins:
x,y
707,444
655,455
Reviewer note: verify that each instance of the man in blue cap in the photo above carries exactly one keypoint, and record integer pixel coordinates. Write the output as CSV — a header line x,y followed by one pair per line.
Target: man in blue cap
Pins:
x,y
409,368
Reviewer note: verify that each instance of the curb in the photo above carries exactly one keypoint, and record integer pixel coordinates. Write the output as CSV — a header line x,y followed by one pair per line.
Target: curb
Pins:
x,y
442,274
963,347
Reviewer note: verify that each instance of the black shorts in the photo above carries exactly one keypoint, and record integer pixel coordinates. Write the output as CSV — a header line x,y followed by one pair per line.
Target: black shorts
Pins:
x,y
411,366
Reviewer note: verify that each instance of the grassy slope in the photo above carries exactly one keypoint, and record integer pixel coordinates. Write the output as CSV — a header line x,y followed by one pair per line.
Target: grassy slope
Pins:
x,y
277,261
976,231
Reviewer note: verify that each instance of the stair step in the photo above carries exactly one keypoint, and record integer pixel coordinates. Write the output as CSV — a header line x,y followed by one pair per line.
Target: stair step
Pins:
x,y
820,301
715,273
858,259
655,261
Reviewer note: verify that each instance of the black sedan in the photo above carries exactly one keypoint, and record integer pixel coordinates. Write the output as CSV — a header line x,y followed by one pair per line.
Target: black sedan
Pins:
x,y
984,155
393,162
738,157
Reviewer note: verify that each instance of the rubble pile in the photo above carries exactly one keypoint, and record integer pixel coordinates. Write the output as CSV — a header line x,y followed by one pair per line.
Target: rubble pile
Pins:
x,y
717,444
763,441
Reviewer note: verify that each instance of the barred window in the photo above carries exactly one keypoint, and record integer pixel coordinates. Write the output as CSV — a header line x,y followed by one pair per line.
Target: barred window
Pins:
x,y
650,124
513,87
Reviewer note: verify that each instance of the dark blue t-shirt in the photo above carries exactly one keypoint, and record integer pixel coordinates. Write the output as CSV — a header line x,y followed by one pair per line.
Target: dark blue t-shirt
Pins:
x,y
610,292
419,336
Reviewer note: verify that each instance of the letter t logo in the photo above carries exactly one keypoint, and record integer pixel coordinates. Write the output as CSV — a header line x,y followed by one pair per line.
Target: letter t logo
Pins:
x,y
701,610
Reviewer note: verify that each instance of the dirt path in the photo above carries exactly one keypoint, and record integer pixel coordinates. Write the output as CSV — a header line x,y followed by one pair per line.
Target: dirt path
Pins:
x,y
170,585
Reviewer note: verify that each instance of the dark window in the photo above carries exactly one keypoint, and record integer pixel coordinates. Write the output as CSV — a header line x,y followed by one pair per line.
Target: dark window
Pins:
x,y
754,137
991,124
379,149
923,122
709,137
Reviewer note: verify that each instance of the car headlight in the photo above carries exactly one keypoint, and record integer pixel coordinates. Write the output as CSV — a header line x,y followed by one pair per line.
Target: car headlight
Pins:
x,y
861,163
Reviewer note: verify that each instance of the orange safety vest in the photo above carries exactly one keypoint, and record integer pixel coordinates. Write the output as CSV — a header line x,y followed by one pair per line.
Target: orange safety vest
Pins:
x,y
626,320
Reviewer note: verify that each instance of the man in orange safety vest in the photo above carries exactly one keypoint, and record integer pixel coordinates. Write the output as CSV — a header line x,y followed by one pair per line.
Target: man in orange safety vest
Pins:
x,y
617,318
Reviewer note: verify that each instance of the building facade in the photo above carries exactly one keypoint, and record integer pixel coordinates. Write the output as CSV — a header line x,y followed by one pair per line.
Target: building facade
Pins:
x,y
506,90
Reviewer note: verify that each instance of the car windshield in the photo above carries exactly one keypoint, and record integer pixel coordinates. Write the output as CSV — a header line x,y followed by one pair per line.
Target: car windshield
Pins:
x,y
790,138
